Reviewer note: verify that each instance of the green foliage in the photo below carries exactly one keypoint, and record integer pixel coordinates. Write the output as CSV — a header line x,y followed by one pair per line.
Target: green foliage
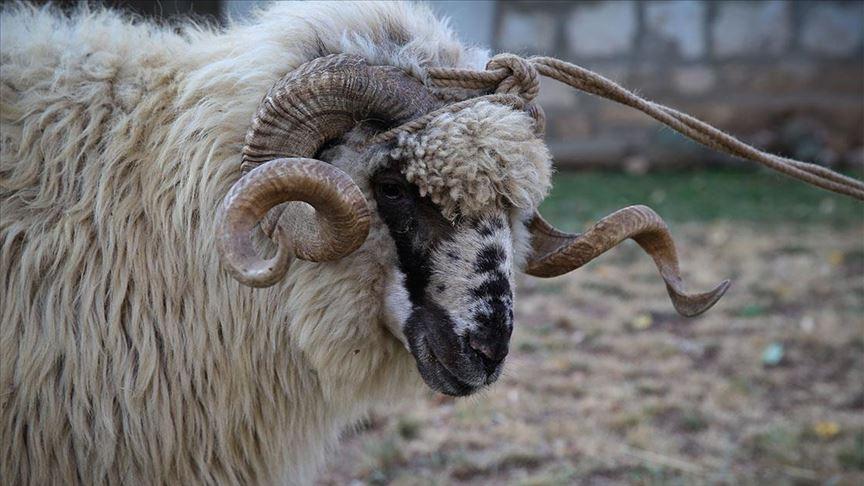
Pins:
x,y
409,428
579,198
693,421
558,475
776,444
752,310
382,458
852,456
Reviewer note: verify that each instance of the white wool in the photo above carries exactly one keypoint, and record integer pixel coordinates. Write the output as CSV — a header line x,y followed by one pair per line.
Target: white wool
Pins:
x,y
127,355
481,157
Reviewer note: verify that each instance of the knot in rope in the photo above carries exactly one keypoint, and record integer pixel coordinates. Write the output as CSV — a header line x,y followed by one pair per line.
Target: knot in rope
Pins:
x,y
522,78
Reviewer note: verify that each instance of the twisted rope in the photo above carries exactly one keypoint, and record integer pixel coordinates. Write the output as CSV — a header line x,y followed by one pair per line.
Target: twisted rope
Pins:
x,y
510,76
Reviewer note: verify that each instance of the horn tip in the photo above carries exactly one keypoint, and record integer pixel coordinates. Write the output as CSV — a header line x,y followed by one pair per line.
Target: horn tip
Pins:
x,y
694,305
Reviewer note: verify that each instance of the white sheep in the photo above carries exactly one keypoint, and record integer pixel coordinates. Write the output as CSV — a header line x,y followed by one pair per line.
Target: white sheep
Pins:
x,y
128,354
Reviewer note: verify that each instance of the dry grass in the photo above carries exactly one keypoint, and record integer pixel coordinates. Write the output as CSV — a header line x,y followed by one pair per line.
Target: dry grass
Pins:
x,y
605,384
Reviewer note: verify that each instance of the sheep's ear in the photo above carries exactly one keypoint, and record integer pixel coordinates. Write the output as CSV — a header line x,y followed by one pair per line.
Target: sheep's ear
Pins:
x,y
555,252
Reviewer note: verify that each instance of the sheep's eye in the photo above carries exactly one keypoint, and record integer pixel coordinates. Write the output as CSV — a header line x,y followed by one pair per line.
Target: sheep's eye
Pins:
x,y
390,190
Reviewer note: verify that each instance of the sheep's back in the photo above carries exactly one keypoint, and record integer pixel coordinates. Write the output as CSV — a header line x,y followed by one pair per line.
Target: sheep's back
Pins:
x,y
94,307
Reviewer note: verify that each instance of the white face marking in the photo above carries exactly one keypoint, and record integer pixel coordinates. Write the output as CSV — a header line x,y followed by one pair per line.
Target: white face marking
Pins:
x,y
469,270
397,305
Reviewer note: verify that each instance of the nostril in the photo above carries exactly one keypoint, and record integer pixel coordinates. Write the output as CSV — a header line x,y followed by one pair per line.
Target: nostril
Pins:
x,y
491,354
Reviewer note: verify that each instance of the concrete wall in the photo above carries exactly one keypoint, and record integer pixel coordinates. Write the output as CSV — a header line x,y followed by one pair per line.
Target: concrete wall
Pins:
x,y
786,75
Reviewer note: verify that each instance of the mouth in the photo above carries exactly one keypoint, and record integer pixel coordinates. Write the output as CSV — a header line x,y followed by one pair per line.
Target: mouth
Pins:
x,y
459,380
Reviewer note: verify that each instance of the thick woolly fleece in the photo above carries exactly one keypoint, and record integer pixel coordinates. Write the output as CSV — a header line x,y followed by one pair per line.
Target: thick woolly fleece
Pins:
x,y
482,157
127,354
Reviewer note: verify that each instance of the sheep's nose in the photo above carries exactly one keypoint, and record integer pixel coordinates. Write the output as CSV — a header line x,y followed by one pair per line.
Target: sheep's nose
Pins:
x,y
491,350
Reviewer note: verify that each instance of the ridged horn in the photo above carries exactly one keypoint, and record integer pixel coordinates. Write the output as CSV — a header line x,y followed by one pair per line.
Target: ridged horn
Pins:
x,y
338,226
312,105
555,252
324,98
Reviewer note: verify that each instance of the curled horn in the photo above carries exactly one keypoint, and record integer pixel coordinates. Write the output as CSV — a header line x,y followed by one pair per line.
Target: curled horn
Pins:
x,y
312,105
556,252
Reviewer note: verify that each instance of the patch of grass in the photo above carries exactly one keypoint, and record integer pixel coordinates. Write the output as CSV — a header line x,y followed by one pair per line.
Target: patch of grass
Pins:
x,y
563,474
677,419
852,457
382,458
752,310
625,422
554,343
408,428
793,249
550,287
578,198
778,444
569,365
520,460
468,413
854,261
651,475
652,389
543,329
463,467
742,385
693,421
608,289
527,347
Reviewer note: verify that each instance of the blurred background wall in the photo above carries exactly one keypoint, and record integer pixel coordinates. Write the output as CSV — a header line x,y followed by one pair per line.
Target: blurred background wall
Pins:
x,y
784,75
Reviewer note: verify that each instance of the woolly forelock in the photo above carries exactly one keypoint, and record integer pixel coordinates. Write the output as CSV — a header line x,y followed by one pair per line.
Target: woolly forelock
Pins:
x,y
483,157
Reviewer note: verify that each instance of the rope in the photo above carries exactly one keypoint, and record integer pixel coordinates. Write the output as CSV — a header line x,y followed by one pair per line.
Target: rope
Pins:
x,y
510,76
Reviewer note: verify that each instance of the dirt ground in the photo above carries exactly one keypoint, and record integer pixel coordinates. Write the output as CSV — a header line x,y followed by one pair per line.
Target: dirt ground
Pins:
x,y
605,384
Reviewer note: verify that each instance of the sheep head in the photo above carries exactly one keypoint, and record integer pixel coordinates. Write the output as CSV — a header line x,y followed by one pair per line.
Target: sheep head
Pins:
x,y
457,198
313,105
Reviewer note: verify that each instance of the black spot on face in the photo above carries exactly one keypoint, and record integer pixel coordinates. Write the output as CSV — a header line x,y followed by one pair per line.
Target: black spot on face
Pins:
x,y
489,259
497,286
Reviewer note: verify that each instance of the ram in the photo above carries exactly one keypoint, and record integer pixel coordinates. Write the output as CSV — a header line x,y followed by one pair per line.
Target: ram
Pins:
x,y
190,298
